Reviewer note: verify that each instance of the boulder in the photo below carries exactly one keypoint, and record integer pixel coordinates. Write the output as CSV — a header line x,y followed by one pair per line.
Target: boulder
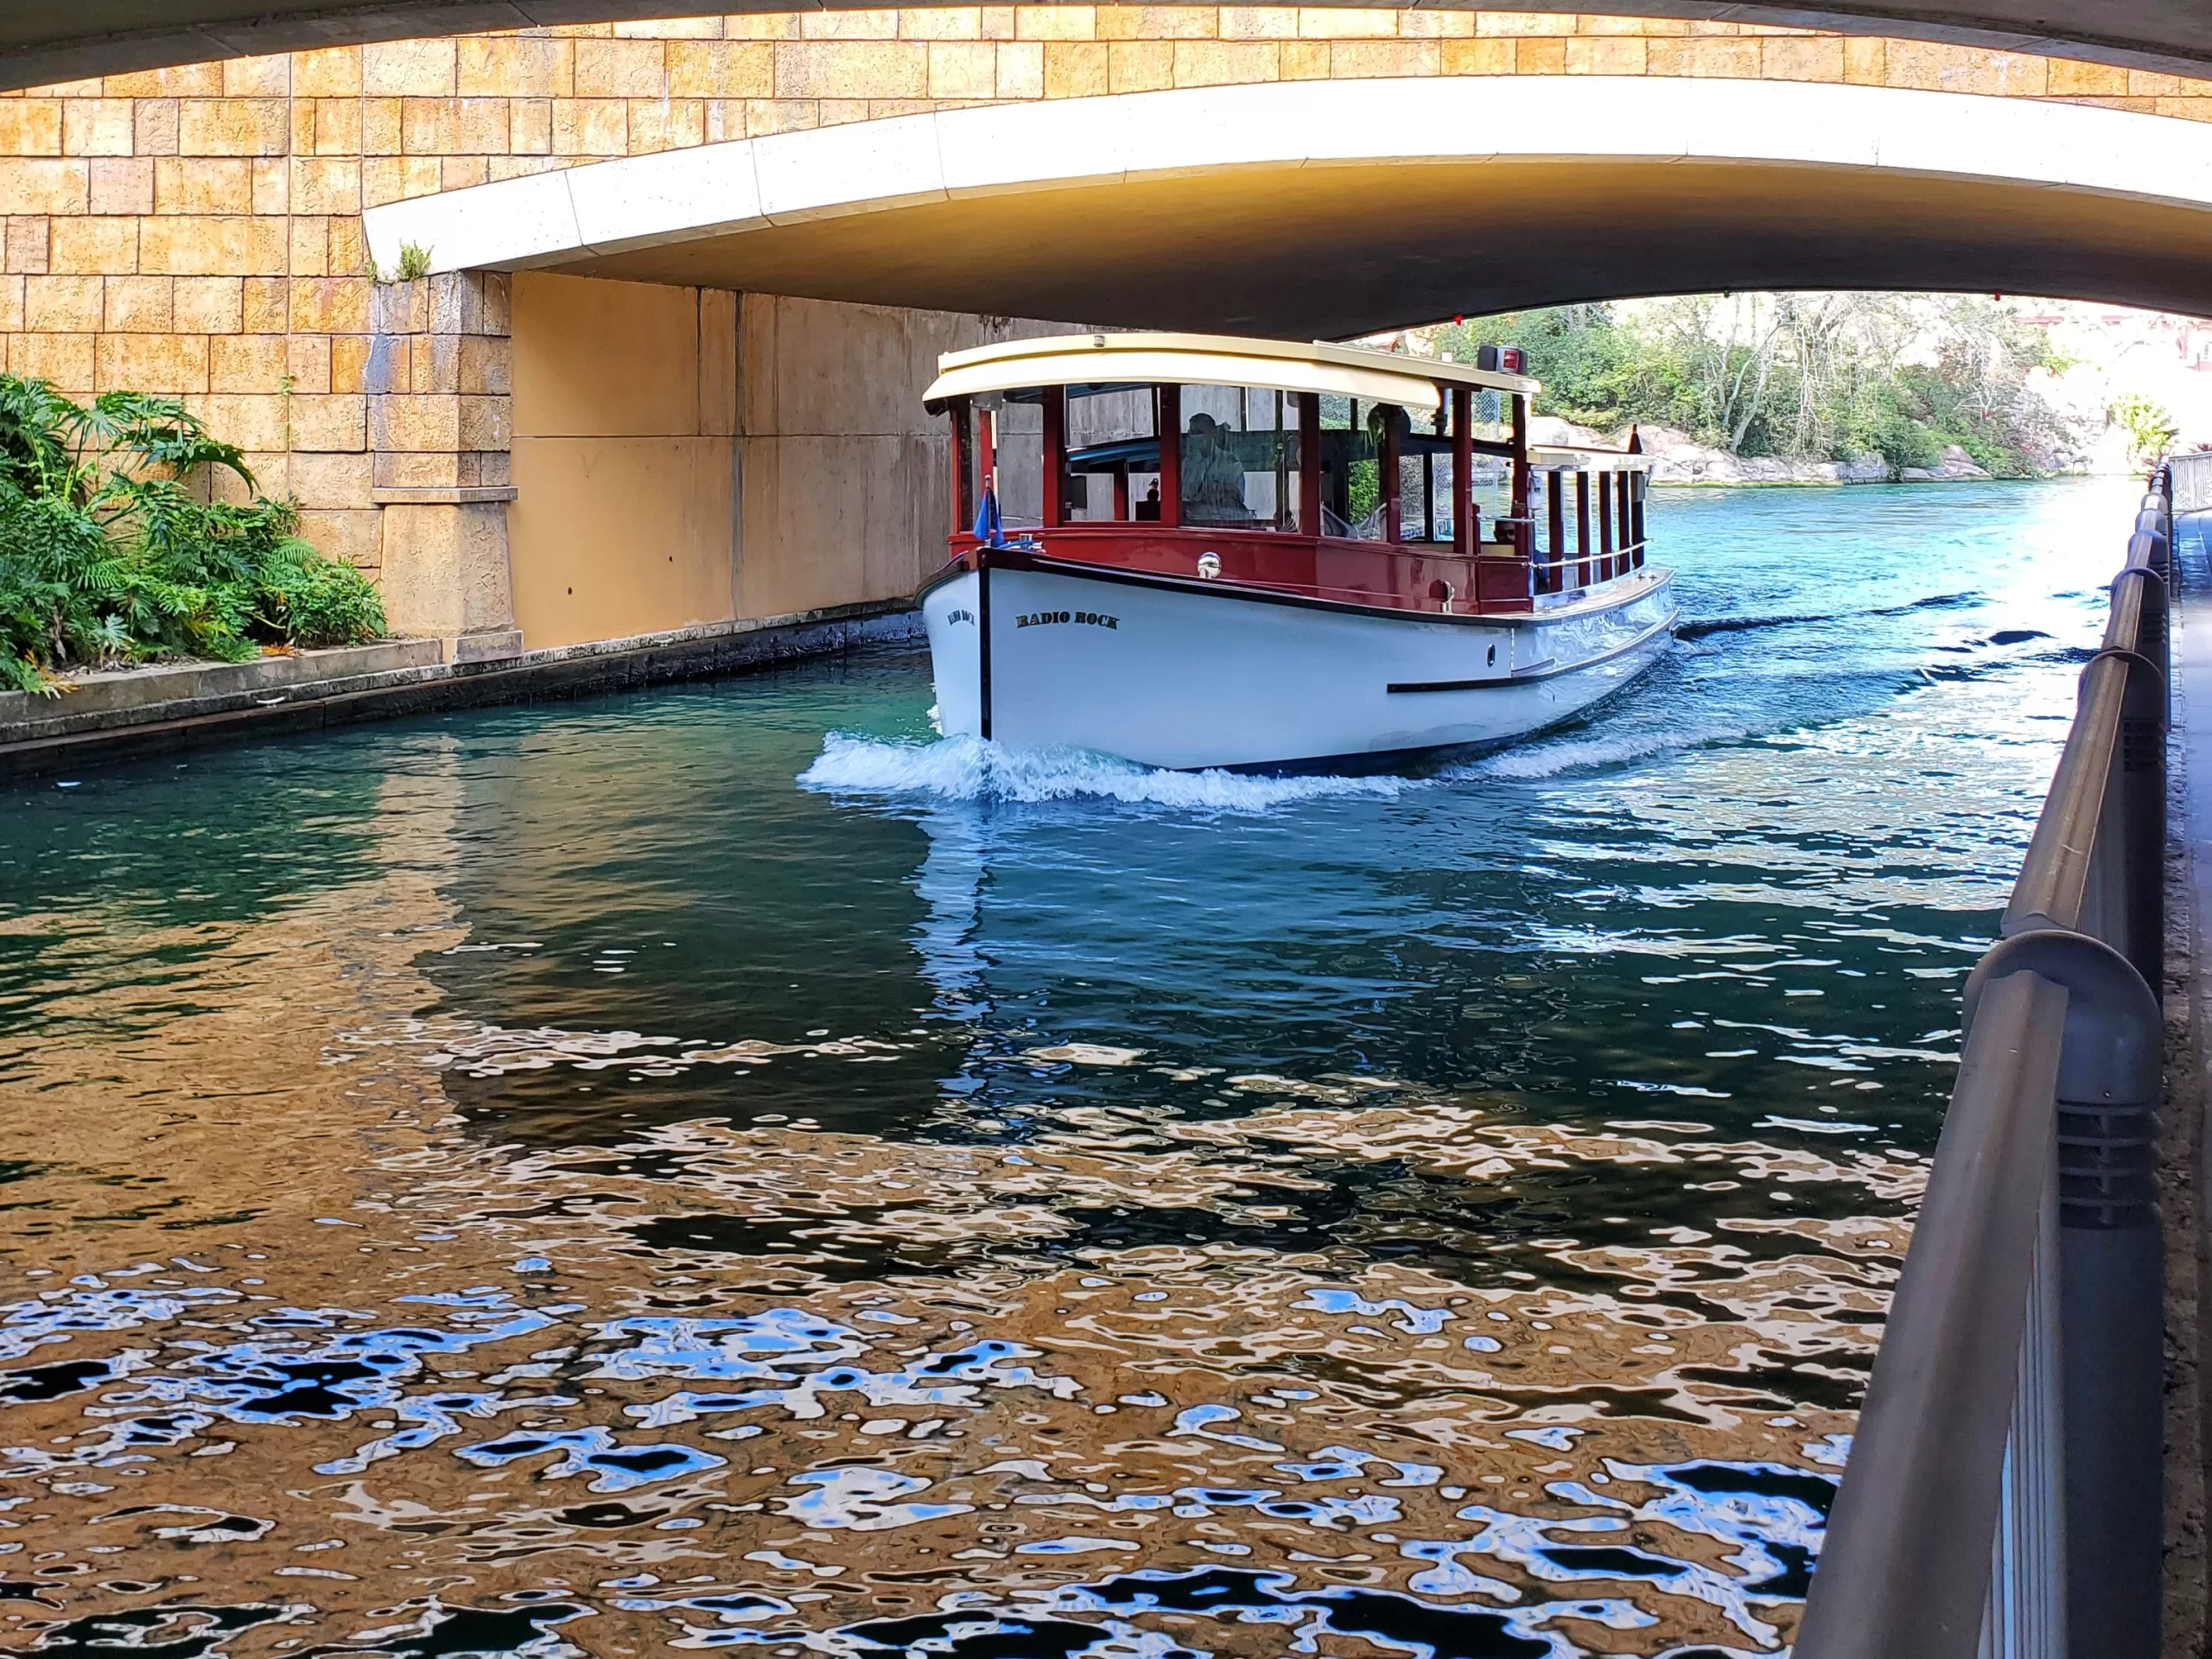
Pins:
x,y
1958,464
1677,458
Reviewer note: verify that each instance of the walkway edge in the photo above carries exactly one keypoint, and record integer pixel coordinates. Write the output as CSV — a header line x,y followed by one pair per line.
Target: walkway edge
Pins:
x,y
166,724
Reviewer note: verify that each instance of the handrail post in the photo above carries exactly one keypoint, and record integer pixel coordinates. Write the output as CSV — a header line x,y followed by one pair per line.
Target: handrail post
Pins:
x,y
2111,1260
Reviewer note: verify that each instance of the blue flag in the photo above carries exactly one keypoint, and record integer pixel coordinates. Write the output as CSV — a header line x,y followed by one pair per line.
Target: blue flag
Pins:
x,y
987,530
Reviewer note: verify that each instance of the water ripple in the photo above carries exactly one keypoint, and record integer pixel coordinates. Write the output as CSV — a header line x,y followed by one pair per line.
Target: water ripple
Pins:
x,y
721,1167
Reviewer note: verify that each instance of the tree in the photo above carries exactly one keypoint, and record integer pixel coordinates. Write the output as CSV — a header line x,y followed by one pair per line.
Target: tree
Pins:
x,y
1801,376
2150,429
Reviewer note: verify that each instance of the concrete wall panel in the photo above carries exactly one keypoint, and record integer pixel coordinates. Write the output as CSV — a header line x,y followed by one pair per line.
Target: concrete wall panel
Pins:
x,y
624,520
831,520
614,536
717,362
843,473
827,368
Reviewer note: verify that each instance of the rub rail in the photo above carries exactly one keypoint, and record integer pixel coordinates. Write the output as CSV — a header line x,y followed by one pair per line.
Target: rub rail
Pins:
x,y
2003,1494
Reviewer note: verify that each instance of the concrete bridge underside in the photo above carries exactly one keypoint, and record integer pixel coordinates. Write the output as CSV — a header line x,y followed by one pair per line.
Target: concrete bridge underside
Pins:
x,y
1313,252
1330,211
45,43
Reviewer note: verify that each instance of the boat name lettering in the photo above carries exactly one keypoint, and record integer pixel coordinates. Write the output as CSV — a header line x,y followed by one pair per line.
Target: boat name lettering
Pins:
x,y
1092,619
960,616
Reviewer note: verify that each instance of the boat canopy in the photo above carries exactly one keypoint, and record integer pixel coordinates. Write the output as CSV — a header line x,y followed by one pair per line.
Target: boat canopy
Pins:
x,y
1209,360
1566,457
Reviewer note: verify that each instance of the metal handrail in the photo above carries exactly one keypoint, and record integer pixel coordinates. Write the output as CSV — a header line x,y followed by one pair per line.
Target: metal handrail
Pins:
x,y
2002,1494
1623,551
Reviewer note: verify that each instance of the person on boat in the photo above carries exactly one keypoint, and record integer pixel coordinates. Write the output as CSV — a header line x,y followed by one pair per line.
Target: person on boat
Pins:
x,y
1213,475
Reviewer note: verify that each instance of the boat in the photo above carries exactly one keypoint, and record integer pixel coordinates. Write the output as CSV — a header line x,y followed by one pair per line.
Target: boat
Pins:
x,y
1304,577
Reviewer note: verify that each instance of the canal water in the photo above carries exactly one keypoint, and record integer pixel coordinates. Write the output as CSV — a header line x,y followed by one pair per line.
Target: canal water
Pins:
x,y
715,1168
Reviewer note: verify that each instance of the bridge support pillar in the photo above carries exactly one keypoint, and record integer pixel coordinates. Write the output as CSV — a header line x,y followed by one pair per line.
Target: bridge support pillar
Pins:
x,y
439,429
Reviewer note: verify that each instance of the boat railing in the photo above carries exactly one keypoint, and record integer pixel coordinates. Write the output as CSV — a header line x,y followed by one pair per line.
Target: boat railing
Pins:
x,y
1604,510
1560,575
2003,1497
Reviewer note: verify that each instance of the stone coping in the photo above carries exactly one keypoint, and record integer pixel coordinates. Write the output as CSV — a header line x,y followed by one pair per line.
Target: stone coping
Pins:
x,y
140,714
439,495
121,696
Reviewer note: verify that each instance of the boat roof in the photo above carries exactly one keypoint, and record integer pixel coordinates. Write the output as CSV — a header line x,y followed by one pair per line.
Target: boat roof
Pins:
x,y
1571,458
1209,360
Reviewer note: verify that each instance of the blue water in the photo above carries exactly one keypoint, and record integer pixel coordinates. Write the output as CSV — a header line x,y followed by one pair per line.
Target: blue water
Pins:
x,y
719,1166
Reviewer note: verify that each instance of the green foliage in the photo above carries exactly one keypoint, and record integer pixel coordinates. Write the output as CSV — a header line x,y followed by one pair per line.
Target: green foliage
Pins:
x,y
1596,371
2150,429
1363,490
414,261
1904,441
110,554
307,599
1803,376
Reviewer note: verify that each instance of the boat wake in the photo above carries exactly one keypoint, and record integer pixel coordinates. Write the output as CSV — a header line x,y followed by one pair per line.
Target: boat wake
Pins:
x,y
1590,748
966,769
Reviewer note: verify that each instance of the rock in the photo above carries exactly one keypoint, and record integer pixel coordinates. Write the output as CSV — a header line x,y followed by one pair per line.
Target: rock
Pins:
x,y
1917,475
1677,458
1958,464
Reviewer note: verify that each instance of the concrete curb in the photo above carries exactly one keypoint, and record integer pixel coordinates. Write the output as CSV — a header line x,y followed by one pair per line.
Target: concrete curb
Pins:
x,y
147,713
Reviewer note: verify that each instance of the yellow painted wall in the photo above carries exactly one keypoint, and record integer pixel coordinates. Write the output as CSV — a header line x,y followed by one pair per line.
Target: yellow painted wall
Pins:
x,y
625,404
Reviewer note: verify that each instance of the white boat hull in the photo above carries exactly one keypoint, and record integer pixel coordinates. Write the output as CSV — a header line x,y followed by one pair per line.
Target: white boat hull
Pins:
x,y
1180,675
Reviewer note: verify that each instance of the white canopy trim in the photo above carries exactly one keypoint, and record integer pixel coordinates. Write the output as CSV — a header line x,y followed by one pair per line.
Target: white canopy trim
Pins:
x,y
1568,458
1208,360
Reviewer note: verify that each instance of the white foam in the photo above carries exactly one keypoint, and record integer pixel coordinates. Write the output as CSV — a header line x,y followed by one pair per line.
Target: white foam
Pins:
x,y
1548,758
966,768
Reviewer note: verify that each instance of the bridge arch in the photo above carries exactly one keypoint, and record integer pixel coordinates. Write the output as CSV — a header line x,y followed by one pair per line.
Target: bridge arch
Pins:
x,y
1341,208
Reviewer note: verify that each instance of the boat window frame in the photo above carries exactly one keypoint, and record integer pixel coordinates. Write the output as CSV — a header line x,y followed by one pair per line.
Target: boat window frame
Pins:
x,y
1452,431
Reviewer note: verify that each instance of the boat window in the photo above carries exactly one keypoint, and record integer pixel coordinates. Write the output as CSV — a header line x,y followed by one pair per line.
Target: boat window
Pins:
x,y
1490,493
1351,476
1417,477
1020,447
1113,455
1012,434
1425,469
1239,457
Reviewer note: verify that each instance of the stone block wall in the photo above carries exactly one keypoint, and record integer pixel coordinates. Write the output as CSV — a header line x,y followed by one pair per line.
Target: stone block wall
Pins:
x,y
196,230
439,423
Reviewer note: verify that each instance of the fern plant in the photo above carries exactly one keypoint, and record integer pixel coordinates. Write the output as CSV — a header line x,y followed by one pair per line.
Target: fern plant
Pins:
x,y
107,556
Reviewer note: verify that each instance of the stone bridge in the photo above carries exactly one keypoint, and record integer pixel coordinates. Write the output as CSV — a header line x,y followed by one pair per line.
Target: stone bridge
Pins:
x,y
695,270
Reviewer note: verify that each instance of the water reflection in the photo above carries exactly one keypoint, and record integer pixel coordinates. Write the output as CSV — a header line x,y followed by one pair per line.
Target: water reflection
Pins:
x,y
546,1181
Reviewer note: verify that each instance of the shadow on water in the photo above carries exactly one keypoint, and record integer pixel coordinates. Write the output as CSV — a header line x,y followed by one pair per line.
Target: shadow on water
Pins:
x,y
719,1166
